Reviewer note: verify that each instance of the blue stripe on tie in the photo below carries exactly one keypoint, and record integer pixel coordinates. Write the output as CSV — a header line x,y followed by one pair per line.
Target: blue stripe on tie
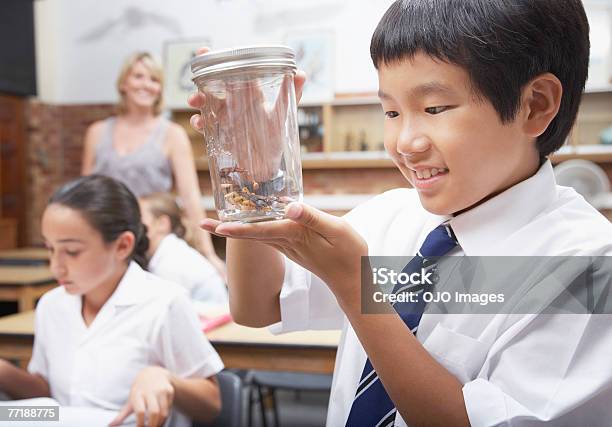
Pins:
x,y
372,406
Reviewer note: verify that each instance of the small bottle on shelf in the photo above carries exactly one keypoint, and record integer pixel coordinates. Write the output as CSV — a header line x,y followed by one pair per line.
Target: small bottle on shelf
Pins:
x,y
348,142
363,144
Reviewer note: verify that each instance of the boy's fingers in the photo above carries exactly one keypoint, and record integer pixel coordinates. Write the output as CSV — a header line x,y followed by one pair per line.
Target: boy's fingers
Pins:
x,y
202,50
140,408
152,411
122,415
195,100
299,80
209,224
164,408
196,123
281,230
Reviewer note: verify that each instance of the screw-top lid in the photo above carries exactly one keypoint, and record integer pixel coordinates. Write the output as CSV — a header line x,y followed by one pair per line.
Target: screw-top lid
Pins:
x,y
243,57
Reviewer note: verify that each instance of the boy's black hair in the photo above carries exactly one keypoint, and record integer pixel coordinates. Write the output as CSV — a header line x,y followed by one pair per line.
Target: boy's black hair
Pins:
x,y
502,44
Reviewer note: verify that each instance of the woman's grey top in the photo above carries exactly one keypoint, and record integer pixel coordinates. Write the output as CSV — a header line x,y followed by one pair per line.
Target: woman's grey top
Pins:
x,y
144,171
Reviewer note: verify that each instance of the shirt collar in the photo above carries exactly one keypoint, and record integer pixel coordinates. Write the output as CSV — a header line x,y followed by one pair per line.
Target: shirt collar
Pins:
x,y
132,287
486,226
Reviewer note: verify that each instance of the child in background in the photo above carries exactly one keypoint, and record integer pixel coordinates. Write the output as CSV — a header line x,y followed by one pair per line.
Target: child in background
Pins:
x,y
113,336
171,257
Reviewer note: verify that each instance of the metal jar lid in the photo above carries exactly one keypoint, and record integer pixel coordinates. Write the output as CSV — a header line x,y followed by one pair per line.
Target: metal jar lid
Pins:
x,y
243,57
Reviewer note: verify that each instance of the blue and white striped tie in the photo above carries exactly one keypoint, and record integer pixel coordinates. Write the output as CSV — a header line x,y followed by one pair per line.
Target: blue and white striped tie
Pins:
x,y
372,406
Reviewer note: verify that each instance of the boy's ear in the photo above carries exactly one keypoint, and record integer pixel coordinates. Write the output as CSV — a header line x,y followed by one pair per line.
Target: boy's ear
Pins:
x,y
125,244
541,98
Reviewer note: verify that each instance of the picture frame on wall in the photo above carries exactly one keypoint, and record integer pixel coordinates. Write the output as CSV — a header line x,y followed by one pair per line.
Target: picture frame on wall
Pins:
x,y
177,57
314,51
599,14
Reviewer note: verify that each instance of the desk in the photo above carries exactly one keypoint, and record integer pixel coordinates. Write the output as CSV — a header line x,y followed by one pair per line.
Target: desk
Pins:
x,y
25,284
17,337
238,346
254,348
24,256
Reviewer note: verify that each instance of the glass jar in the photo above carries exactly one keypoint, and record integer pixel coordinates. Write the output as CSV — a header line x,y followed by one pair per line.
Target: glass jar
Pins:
x,y
250,130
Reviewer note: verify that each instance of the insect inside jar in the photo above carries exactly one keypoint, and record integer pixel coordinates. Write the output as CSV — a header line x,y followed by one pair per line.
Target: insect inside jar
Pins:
x,y
241,191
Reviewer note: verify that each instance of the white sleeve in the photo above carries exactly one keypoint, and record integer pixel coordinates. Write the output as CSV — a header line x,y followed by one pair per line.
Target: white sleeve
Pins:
x,y
556,371
306,302
181,346
39,363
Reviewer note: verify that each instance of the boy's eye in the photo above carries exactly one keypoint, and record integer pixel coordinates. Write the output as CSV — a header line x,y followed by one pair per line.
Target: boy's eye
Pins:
x,y
391,114
72,253
436,110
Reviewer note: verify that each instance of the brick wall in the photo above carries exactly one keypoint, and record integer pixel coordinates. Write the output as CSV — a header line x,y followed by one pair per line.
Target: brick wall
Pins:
x,y
55,146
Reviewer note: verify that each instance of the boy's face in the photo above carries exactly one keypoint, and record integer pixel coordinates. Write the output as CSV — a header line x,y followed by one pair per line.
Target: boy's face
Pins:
x,y
450,145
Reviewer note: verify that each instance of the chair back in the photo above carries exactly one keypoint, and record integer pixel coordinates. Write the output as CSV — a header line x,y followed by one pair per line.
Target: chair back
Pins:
x,y
230,386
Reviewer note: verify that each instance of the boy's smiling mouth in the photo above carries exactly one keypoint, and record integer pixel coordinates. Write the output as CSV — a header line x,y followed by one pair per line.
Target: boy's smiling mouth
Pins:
x,y
426,173
426,177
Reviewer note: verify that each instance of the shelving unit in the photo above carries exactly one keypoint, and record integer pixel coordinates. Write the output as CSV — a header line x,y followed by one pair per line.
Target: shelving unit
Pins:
x,y
348,132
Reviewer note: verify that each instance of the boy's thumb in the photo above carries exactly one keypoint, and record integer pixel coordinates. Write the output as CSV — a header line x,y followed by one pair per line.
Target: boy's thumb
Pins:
x,y
312,218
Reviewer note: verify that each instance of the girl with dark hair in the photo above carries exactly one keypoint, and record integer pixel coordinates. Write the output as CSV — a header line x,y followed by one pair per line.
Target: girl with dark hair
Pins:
x,y
109,336
171,256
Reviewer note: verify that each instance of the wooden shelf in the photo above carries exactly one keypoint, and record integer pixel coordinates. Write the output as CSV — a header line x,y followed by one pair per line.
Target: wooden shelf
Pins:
x,y
598,89
379,159
349,116
333,160
594,153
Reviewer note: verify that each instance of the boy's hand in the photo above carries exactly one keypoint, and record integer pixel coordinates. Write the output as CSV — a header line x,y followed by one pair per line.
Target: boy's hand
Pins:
x,y
262,155
324,244
150,398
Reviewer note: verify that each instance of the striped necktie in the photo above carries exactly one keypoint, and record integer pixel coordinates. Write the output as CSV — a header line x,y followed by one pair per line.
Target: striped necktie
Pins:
x,y
372,406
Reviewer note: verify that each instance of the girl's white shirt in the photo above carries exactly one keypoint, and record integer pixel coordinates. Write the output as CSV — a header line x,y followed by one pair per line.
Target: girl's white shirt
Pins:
x,y
146,321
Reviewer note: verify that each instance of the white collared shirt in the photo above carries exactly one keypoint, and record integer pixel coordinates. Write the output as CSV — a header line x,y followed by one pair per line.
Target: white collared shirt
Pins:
x,y
515,371
176,261
146,321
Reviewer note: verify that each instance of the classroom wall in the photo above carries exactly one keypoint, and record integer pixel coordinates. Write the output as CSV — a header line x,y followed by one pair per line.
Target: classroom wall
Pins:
x,y
81,44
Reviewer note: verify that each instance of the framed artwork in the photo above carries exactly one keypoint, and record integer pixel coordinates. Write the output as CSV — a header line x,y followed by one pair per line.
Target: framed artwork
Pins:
x,y
177,70
314,51
599,13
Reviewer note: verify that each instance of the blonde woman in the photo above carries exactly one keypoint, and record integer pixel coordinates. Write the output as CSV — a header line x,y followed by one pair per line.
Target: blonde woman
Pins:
x,y
145,151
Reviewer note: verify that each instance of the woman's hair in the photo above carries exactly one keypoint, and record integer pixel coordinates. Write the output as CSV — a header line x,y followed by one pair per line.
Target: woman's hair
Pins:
x,y
164,204
154,68
109,207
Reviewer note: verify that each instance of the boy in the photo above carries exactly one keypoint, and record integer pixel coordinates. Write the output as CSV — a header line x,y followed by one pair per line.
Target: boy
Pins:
x,y
476,95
